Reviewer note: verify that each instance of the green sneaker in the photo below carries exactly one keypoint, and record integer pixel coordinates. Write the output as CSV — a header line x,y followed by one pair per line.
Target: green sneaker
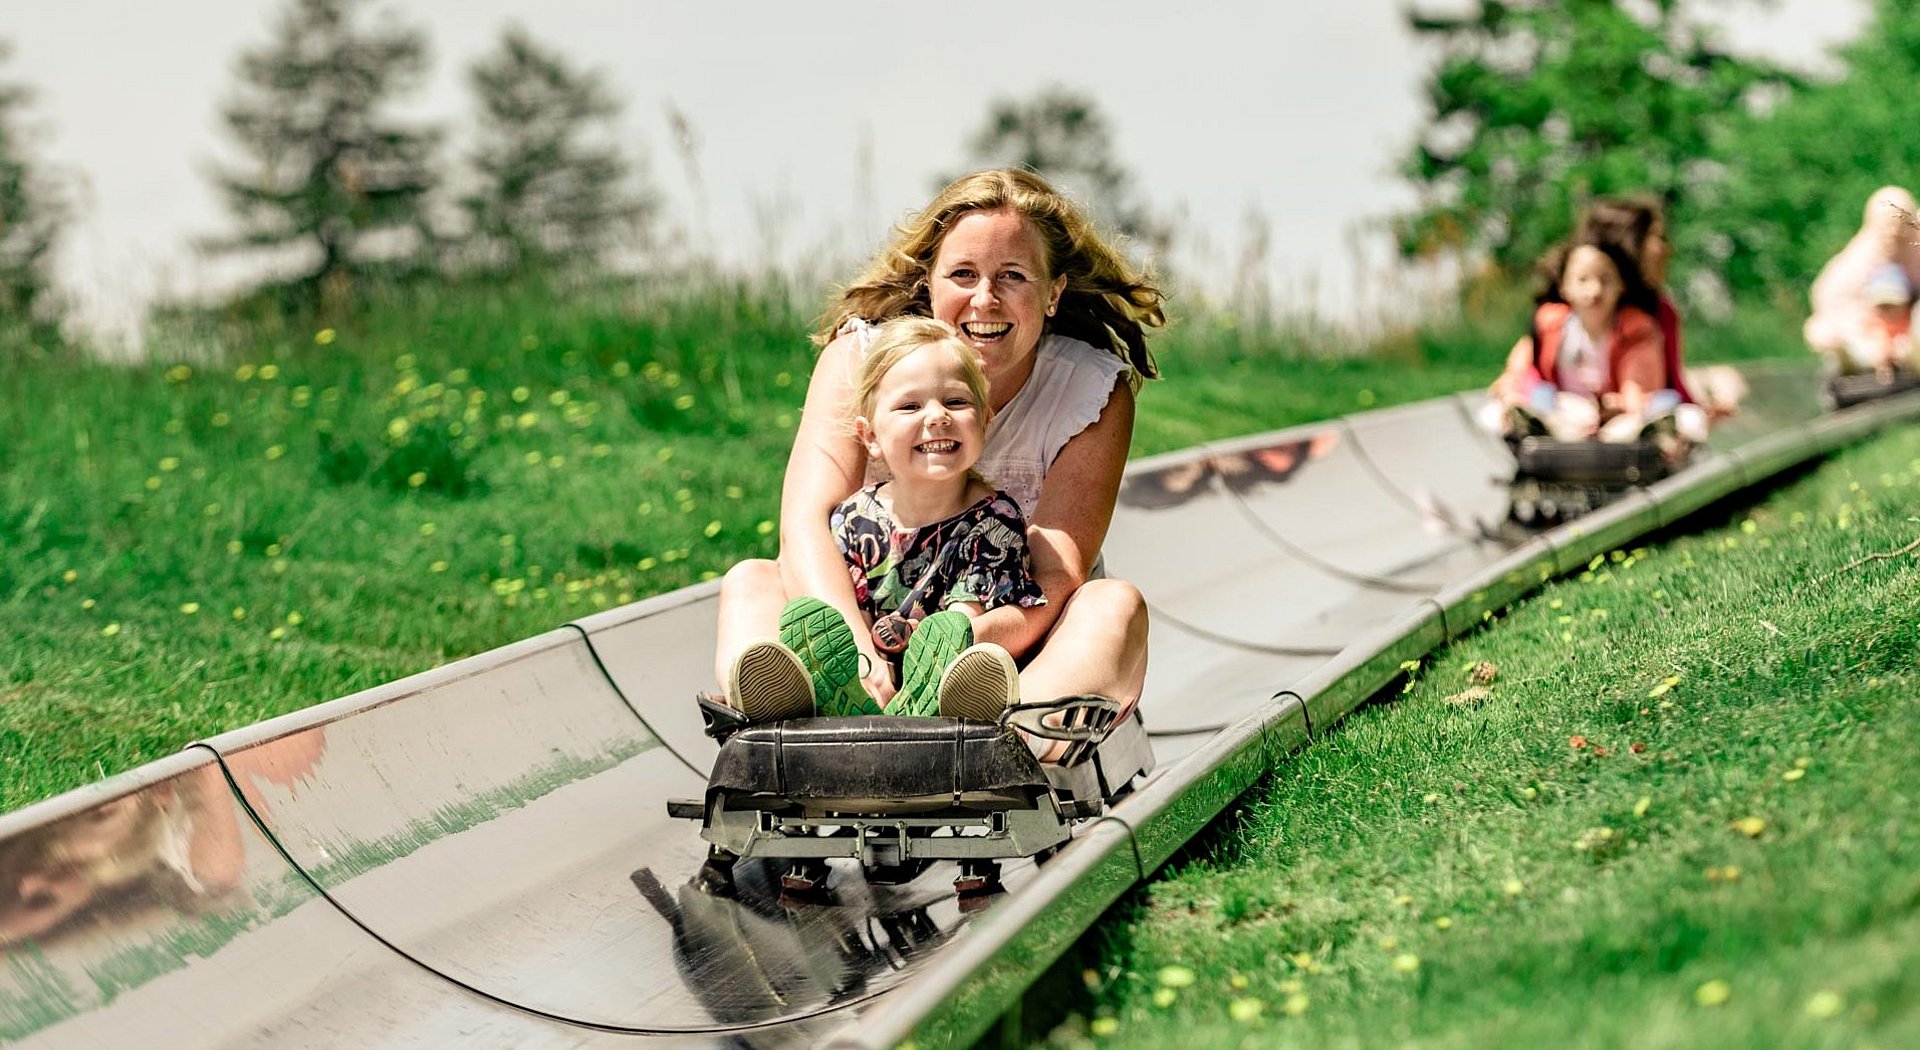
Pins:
x,y
820,637
934,643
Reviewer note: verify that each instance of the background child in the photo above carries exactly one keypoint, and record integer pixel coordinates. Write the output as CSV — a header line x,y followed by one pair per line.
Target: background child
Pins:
x,y
1595,359
1888,342
1843,325
927,548
1637,223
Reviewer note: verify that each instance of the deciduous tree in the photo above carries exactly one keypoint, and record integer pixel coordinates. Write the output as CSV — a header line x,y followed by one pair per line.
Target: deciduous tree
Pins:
x,y
1540,105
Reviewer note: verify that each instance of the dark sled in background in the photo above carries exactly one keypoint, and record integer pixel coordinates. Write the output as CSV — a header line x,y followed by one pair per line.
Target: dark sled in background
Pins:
x,y
1556,481
1847,391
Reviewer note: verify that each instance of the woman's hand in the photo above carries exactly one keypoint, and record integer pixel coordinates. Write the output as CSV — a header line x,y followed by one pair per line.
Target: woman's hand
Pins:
x,y
878,679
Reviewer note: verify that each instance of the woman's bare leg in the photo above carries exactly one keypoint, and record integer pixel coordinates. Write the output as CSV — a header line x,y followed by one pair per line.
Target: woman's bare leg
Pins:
x,y
1098,645
751,597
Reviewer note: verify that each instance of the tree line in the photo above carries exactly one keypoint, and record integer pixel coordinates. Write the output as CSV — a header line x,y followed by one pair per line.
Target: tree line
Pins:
x,y
1536,106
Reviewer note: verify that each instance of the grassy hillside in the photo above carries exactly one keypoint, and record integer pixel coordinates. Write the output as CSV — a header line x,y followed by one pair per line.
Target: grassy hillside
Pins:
x,y
270,513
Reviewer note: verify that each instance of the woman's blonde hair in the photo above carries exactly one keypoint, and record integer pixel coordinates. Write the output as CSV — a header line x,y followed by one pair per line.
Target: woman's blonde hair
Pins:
x,y
1106,303
902,336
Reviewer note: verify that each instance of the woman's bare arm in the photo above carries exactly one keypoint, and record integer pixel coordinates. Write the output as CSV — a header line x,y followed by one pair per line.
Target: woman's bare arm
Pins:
x,y
826,466
1069,523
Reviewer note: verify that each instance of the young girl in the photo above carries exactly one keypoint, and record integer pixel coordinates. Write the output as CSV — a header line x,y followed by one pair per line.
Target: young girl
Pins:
x,y
1595,362
1638,224
927,548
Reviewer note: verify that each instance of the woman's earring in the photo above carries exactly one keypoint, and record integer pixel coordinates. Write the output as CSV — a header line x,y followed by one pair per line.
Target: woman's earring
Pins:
x,y
1051,307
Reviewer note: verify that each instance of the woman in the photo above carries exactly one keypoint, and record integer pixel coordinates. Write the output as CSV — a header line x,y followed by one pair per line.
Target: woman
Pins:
x,y
1058,318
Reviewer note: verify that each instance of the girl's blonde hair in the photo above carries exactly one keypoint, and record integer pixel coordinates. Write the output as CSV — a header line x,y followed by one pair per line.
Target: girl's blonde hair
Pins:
x,y
1106,302
901,336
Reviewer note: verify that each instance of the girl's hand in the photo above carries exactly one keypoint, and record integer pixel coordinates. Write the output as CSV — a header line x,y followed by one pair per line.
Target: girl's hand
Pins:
x,y
879,679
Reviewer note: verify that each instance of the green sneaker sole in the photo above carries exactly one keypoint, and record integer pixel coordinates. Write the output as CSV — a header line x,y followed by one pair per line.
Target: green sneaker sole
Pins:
x,y
934,644
820,637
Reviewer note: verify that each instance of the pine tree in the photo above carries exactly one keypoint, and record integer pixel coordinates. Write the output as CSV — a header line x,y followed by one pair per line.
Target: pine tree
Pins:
x,y
332,174
31,213
1540,105
552,186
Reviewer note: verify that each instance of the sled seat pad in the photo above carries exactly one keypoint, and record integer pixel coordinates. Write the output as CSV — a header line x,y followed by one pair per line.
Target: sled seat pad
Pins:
x,y
815,759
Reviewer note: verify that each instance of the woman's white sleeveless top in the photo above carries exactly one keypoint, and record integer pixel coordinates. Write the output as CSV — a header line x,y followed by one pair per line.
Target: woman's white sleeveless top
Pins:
x,y
1067,390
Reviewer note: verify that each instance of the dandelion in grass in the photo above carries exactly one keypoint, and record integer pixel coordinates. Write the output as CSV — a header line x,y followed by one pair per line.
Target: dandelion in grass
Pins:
x,y
1513,888
189,608
1713,993
211,510
110,630
1792,775
428,528
294,619
1164,997
1248,1010
1751,827
272,550
268,372
1175,977
1640,808
239,613
244,373
88,603
1103,1026
236,547
276,451
324,337
220,419
1444,922
1238,981
153,484
1406,962
1825,1005
179,373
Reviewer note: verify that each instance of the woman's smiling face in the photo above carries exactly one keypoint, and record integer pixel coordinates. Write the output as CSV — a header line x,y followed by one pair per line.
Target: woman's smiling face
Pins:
x,y
990,281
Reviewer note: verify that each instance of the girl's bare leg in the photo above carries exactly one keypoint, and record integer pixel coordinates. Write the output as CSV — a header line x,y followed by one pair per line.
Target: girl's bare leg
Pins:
x,y
751,597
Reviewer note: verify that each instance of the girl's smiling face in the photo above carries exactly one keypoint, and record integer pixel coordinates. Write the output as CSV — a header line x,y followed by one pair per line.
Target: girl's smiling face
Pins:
x,y
924,422
990,281
1591,283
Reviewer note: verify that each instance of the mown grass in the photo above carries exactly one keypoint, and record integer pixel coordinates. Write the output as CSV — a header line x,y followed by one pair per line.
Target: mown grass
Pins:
x,y
267,514
1684,816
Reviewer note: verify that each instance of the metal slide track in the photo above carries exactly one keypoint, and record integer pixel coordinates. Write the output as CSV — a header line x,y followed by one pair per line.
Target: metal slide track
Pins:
x,y
480,855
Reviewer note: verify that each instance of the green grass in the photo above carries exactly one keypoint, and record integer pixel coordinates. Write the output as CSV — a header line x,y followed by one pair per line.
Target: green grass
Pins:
x,y
270,514
1684,817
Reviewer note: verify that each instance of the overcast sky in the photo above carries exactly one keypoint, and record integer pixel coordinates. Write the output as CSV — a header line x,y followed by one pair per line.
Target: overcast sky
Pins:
x,y
1295,111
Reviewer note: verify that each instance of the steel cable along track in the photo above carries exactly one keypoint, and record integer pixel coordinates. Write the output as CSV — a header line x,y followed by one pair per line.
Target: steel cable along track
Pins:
x,y
480,854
